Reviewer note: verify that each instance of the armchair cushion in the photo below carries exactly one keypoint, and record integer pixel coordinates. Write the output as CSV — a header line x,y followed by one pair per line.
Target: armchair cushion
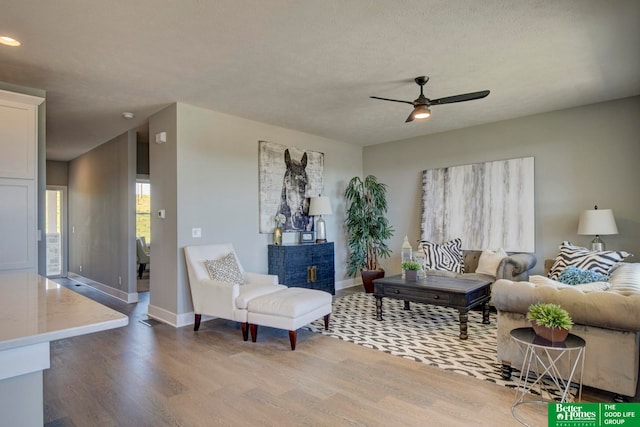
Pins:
x,y
225,269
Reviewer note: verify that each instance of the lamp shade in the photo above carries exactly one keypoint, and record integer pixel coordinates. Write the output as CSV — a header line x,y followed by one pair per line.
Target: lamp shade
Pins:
x,y
320,205
597,222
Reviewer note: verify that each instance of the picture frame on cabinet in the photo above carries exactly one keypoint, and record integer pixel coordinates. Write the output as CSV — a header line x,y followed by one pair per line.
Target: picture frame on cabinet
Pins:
x,y
307,237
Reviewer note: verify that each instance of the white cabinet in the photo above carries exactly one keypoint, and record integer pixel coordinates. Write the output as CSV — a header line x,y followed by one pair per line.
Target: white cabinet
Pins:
x,y
18,180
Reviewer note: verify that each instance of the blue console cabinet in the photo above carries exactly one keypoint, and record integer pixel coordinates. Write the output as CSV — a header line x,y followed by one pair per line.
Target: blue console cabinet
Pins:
x,y
304,265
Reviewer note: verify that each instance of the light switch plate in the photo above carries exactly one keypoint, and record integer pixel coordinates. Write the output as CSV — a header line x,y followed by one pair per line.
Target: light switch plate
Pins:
x,y
196,232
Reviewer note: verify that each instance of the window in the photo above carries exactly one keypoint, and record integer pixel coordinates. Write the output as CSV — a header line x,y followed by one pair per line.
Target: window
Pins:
x,y
143,210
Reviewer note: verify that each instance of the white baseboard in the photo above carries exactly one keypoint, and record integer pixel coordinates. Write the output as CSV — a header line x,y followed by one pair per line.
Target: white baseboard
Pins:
x,y
349,283
173,319
129,298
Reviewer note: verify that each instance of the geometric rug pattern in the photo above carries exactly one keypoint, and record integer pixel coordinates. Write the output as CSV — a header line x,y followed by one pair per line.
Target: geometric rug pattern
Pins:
x,y
426,333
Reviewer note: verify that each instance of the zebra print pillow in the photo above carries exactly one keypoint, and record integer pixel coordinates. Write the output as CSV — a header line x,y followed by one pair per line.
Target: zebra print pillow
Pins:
x,y
447,257
584,259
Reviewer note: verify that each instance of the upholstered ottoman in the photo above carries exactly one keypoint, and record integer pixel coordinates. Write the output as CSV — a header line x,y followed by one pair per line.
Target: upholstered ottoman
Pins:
x,y
288,309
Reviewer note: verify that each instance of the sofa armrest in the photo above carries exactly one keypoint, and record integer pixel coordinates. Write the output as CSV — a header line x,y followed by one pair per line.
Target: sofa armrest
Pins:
x,y
260,279
516,267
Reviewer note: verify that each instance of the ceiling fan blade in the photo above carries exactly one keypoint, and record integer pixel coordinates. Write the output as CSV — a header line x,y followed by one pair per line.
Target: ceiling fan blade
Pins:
x,y
393,100
460,98
410,118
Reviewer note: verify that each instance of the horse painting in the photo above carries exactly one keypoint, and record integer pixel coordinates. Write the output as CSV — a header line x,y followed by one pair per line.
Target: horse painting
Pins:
x,y
294,204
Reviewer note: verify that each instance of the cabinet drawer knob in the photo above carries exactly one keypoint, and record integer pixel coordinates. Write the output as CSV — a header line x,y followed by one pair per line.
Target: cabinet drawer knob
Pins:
x,y
396,291
436,297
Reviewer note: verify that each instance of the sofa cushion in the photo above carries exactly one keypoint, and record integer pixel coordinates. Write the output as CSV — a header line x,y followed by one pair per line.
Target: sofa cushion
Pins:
x,y
600,262
625,279
574,276
447,256
224,269
584,287
489,261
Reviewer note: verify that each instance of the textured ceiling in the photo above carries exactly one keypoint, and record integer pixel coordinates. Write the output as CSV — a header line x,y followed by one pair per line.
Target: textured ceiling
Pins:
x,y
312,65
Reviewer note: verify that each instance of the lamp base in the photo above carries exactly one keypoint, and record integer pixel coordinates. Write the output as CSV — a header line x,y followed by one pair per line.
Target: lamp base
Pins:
x,y
597,244
321,231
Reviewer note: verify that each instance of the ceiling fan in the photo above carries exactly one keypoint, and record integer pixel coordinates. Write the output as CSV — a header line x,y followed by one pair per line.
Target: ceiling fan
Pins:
x,y
421,104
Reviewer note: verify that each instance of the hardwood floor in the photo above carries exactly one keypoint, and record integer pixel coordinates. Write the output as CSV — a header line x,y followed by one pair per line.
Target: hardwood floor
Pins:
x,y
162,376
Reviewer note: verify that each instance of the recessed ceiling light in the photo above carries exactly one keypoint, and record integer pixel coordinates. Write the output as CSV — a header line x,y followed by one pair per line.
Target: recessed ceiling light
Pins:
x,y
128,115
9,41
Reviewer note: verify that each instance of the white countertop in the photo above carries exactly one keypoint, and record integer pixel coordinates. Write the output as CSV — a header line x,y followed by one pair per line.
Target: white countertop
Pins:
x,y
34,309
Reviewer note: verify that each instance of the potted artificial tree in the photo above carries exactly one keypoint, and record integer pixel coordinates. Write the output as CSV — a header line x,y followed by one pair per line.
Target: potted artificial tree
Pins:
x,y
368,228
550,321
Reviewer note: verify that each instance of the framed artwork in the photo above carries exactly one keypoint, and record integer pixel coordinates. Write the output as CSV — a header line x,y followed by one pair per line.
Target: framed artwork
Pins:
x,y
288,176
306,237
488,205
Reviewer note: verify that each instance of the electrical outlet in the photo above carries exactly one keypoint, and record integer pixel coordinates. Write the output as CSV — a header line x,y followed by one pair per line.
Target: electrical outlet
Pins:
x,y
80,269
196,232
119,280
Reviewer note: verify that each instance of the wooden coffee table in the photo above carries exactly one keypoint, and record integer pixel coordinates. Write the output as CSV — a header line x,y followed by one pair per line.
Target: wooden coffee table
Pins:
x,y
462,294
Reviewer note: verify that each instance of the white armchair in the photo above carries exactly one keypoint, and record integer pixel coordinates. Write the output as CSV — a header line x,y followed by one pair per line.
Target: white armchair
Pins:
x,y
223,299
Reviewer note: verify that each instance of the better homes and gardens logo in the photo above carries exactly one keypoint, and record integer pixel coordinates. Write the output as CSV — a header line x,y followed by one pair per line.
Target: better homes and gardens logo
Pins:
x,y
594,414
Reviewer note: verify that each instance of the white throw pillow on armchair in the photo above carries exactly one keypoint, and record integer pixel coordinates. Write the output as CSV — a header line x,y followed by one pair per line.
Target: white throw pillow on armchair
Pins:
x,y
490,260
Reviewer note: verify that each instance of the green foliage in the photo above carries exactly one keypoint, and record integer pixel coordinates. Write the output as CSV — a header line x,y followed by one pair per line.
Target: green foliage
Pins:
x,y
550,315
366,224
410,265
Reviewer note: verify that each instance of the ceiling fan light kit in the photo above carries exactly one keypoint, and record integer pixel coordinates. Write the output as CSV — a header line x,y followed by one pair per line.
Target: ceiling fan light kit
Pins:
x,y
421,112
421,104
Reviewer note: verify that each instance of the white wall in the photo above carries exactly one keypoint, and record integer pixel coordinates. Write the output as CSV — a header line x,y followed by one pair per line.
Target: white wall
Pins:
x,y
583,156
217,190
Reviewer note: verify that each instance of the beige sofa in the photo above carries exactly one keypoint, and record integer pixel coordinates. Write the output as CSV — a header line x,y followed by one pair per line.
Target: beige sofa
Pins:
x,y
514,267
609,322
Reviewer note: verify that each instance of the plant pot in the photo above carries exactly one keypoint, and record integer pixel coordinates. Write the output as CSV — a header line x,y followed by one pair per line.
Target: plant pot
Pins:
x,y
550,334
368,276
411,275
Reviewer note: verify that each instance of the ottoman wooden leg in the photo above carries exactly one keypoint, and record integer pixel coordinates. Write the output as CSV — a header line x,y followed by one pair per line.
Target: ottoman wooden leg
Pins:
x,y
196,322
293,335
245,330
326,322
254,332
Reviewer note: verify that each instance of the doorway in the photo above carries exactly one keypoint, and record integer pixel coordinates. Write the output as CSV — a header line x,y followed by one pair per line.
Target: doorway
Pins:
x,y
55,231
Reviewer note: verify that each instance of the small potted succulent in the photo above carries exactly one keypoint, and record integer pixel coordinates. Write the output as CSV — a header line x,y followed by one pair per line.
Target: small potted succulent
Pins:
x,y
550,321
411,270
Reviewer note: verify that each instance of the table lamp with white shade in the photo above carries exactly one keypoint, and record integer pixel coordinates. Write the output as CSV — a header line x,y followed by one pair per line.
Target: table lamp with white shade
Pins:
x,y
597,222
319,206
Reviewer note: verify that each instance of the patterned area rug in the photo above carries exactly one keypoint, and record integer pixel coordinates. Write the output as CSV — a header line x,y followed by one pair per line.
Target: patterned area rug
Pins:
x,y
426,333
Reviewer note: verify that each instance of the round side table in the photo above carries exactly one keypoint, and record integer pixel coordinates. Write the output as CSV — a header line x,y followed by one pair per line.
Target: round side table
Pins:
x,y
543,358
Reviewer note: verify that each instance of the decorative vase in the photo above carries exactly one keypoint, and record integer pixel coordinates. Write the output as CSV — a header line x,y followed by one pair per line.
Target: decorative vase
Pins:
x,y
550,334
411,275
277,236
368,276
